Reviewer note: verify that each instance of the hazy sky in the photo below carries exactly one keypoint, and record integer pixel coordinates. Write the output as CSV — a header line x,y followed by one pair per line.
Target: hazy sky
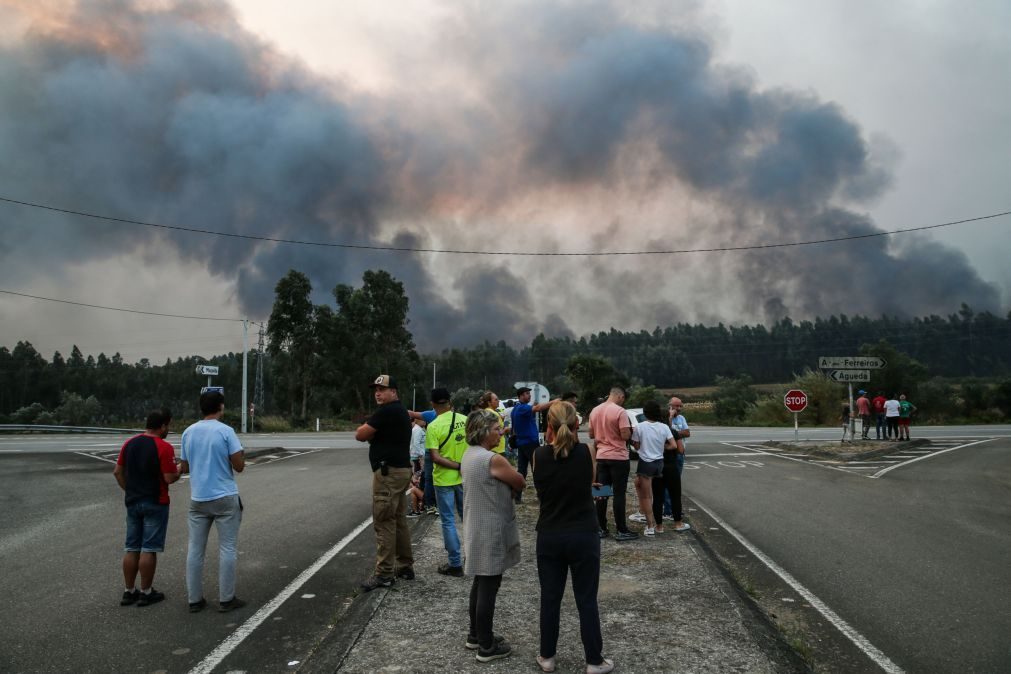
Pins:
x,y
533,126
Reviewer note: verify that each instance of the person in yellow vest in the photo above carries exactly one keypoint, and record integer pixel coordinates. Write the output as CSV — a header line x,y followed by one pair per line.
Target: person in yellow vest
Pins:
x,y
446,440
489,401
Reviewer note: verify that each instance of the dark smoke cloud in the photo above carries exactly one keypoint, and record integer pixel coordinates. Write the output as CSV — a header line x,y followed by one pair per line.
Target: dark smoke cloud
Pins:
x,y
582,130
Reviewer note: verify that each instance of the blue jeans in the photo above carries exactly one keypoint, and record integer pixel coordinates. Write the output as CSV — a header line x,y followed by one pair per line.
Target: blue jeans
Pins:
x,y
429,499
667,510
450,499
146,525
226,515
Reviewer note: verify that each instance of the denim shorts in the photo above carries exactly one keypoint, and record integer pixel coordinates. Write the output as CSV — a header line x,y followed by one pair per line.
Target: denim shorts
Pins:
x,y
146,526
649,468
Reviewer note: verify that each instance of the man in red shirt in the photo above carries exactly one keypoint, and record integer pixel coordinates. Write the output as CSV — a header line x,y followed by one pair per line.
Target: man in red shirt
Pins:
x,y
610,429
879,410
144,470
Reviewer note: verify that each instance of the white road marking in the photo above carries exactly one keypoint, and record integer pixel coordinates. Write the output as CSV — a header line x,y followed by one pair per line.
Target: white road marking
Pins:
x,y
694,455
858,639
10,451
92,456
239,635
290,456
788,458
927,456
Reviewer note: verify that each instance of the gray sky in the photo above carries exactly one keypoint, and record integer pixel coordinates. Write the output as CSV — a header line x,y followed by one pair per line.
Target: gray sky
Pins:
x,y
515,126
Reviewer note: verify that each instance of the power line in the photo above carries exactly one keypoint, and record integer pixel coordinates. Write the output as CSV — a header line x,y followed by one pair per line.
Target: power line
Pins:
x,y
406,249
129,311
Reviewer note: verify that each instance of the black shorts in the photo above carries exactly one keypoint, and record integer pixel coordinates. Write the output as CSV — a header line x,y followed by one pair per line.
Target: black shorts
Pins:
x,y
649,468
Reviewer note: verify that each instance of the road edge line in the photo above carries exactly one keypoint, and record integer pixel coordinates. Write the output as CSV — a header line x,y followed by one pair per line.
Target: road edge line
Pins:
x,y
215,657
927,456
860,641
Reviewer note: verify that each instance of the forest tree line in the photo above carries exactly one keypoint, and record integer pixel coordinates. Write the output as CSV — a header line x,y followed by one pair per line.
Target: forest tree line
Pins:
x,y
320,358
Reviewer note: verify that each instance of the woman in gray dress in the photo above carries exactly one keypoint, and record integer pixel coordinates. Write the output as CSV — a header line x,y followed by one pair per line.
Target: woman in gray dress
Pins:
x,y
491,541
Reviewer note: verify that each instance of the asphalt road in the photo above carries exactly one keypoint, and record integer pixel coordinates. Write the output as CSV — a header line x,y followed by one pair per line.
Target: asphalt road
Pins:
x,y
61,546
916,560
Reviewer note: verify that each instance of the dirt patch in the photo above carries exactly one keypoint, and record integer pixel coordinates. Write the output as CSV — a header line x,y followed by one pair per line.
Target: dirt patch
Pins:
x,y
843,452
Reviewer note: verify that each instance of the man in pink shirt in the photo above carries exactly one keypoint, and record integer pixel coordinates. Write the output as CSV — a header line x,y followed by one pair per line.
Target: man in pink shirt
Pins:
x,y
610,429
864,410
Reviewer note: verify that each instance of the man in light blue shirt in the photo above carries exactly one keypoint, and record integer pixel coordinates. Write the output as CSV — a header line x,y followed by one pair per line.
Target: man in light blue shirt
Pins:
x,y
211,454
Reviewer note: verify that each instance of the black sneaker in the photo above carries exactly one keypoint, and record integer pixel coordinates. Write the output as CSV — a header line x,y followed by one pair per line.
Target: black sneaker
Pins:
x,y
626,536
406,573
230,605
473,644
414,514
152,597
447,570
129,597
496,652
603,533
376,581
198,606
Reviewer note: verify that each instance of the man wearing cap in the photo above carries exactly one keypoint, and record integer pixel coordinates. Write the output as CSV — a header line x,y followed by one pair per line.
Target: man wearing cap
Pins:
x,y
864,410
446,441
388,432
524,428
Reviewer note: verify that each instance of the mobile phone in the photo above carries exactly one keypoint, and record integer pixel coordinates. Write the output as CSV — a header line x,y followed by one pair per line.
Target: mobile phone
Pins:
x,y
605,490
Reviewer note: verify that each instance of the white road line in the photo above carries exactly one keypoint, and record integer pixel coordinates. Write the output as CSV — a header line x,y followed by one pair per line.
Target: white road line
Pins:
x,y
290,456
694,455
10,451
92,456
791,458
858,639
927,456
245,629
859,463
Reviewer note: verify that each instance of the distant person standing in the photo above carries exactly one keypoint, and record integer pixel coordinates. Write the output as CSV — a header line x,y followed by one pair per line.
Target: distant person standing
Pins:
x,y
669,485
610,430
567,539
145,468
388,432
892,418
879,411
446,440
212,454
652,438
491,539
524,428
906,410
489,401
844,418
864,410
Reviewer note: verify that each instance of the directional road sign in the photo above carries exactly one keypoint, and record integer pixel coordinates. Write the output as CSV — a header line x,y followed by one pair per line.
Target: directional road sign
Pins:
x,y
212,389
851,363
845,376
207,370
795,400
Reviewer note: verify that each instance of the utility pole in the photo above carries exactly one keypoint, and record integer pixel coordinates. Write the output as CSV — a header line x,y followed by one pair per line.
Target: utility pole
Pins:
x,y
245,375
433,375
258,392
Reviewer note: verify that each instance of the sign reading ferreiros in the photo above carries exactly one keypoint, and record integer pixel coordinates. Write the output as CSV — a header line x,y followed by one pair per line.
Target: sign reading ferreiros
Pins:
x,y
851,362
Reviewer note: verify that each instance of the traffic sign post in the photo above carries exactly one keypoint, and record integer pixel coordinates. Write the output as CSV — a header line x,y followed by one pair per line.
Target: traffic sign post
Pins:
x,y
795,401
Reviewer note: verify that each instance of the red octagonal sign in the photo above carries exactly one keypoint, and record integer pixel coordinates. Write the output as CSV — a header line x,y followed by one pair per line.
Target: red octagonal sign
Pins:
x,y
795,400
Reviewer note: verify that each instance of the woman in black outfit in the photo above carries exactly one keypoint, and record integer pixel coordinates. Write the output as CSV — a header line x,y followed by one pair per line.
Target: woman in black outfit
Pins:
x,y
567,537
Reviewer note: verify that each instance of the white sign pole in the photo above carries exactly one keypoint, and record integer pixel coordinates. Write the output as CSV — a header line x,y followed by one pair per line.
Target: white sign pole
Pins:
x,y
245,368
796,429
853,421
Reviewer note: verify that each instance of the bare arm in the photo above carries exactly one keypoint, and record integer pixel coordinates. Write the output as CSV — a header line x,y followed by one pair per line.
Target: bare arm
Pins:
x,y
443,461
626,433
670,444
171,477
364,433
238,461
543,406
120,474
184,467
502,471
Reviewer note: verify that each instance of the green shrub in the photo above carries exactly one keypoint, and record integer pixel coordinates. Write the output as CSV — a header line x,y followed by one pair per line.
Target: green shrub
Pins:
x,y
272,424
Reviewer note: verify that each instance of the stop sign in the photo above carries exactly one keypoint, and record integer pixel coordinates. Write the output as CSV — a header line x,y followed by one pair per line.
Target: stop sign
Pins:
x,y
795,400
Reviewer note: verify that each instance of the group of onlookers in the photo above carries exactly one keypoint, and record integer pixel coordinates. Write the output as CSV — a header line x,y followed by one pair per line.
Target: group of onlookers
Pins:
x,y
473,479
893,415
211,454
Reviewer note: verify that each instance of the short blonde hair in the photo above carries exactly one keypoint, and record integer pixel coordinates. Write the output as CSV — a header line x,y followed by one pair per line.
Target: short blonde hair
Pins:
x,y
479,424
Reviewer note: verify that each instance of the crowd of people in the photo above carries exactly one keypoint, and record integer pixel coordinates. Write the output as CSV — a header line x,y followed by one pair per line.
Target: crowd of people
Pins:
x,y
472,480
893,416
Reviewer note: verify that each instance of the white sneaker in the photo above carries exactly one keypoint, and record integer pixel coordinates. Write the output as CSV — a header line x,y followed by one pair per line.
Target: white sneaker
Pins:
x,y
603,668
637,517
669,518
650,531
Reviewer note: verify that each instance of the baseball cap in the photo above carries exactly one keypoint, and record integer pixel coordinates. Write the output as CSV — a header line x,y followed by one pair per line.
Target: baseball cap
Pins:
x,y
861,391
523,389
384,380
440,395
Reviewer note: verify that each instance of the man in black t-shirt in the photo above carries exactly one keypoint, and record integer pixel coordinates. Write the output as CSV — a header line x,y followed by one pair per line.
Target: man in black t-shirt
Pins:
x,y
388,433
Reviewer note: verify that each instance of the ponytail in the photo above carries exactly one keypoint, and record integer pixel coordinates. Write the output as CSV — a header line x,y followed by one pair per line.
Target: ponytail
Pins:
x,y
562,419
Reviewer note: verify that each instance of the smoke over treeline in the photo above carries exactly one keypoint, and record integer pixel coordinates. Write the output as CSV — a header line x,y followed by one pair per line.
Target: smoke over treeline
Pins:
x,y
551,127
